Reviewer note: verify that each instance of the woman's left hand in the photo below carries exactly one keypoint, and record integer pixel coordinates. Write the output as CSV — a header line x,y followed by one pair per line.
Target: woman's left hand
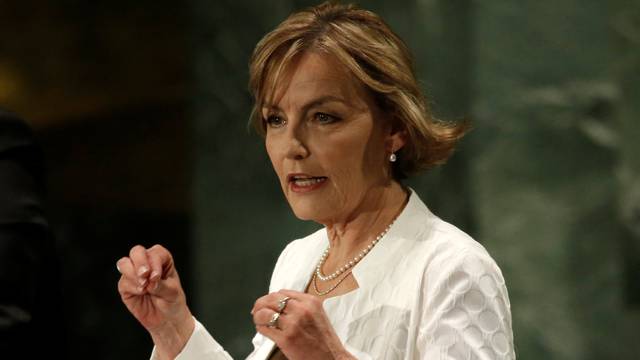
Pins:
x,y
303,330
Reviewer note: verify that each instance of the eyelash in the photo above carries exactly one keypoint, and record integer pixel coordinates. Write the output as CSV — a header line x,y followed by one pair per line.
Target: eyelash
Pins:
x,y
275,121
271,119
329,118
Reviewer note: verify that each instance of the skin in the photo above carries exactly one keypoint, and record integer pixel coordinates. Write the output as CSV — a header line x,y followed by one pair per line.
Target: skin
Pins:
x,y
322,123
150,288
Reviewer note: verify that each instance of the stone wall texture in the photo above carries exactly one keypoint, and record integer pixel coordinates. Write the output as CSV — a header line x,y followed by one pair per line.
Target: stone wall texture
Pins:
x,y
548,180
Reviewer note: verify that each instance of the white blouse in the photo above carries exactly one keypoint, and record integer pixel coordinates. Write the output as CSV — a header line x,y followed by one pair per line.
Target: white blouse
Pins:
x,y
426,291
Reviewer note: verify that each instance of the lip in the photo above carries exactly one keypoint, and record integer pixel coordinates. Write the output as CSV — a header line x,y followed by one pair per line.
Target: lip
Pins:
x,y
298,188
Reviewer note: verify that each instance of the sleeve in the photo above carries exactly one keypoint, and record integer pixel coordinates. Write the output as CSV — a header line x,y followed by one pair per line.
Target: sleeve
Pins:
x,y
467,312
201,345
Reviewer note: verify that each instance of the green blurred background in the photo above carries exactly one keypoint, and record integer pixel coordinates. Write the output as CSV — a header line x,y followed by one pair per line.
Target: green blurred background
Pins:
x,y
141,107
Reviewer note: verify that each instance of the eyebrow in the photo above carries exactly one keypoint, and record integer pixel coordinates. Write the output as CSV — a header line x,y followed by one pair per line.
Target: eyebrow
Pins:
x,y
317,102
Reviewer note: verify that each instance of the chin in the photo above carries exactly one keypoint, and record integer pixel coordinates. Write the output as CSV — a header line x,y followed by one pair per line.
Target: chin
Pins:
x,y
304,214
305,211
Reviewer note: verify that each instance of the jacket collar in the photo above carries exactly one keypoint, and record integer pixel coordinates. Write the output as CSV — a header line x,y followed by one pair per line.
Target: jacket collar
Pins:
x,y
414,219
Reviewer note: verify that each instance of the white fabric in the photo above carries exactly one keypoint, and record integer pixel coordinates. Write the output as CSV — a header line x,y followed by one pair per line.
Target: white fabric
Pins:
x,y
426,291
200,346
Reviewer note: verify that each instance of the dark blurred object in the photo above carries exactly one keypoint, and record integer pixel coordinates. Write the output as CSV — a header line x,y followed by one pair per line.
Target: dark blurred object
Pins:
x,y
114,180
105,86
31,323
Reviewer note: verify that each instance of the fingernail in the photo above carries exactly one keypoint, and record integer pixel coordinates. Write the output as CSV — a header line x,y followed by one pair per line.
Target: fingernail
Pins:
x,y
142,282
140,288
154,275
118,267
142,270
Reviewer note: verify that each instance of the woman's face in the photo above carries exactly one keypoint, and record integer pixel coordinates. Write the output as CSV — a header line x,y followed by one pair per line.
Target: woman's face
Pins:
x,y
327,141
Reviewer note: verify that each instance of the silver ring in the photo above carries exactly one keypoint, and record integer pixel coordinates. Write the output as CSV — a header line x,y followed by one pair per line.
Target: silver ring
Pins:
x,y
283,304
273,323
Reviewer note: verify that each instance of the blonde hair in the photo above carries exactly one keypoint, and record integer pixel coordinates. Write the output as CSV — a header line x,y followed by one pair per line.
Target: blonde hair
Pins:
x,y
377,57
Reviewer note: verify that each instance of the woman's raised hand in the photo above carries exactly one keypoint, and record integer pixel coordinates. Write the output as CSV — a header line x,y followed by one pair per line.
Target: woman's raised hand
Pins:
x,y
151,290
302,330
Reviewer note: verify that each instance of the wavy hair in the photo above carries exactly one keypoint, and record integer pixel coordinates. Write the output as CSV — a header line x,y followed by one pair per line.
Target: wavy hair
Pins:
x,y
361,41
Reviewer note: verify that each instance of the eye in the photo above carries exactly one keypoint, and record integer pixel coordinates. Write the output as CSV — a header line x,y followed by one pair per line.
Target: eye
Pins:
x,y
324,118
274,121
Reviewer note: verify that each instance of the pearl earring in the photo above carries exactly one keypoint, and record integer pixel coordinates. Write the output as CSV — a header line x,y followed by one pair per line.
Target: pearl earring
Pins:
x,y
393,157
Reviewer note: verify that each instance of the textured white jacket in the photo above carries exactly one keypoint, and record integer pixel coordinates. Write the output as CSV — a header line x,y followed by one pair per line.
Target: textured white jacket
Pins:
x,y
426,291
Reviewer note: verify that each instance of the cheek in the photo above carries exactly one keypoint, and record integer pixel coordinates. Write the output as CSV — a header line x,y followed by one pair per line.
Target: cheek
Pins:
x,y
375,158
356,168
349,164
364,155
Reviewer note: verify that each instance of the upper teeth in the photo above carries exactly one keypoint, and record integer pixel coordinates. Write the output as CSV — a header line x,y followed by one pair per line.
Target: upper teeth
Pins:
x,y
307,181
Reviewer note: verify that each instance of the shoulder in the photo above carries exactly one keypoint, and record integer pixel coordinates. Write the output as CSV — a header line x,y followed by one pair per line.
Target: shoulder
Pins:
x,y
444,242
14,132
21,173
440,244
445,251
451,243
455,253
20,156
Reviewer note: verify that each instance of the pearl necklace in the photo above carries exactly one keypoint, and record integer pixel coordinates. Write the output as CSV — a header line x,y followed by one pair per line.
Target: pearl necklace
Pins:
x,y
351,263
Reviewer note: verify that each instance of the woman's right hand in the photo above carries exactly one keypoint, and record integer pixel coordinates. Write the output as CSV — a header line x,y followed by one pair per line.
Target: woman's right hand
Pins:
x,y
151,290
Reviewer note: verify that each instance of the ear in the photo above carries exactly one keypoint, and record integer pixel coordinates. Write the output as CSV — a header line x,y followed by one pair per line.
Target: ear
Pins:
x,y
396,139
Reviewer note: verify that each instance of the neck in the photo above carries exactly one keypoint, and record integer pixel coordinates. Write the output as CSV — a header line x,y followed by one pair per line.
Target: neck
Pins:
x,y
350,235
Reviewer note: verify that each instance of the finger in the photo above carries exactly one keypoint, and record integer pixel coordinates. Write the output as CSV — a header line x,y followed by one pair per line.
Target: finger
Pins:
x,y
160,262
262,317
260,303
128,288
304,307
128,274
138,256
128,283
261,320
161,268
168,289
300,298
125,266
294,294
271,333
269,301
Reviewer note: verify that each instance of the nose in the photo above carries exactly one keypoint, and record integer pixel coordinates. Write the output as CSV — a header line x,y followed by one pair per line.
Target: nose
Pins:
x,y
296,148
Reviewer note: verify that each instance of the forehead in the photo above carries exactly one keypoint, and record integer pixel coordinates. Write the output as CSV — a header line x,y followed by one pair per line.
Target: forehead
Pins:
x,y
314,74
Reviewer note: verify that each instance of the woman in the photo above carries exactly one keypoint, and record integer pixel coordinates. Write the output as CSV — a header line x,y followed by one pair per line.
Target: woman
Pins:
x,y
344,121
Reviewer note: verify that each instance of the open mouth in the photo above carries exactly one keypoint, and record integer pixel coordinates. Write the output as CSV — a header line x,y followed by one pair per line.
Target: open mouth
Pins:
x,y
306,180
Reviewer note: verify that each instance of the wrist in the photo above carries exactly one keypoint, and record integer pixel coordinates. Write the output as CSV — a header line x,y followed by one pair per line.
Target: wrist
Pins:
x,y
336,348
171,337
339,352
